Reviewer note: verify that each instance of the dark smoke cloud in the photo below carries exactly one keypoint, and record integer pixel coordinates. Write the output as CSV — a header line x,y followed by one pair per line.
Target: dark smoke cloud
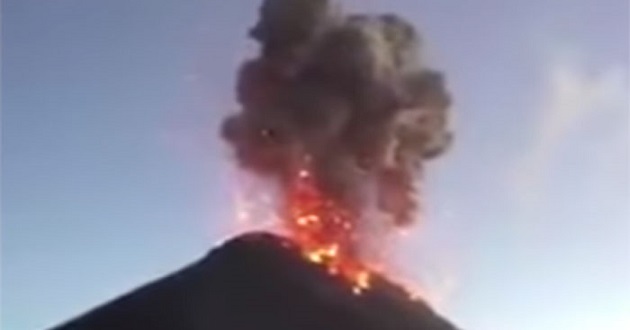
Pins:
x,y
350,93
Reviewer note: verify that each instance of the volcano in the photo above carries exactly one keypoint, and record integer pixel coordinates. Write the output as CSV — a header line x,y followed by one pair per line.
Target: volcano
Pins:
x,y
259,281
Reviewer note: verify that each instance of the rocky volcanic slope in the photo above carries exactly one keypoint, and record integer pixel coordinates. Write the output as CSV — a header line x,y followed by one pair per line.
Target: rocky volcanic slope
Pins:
x,y
259,281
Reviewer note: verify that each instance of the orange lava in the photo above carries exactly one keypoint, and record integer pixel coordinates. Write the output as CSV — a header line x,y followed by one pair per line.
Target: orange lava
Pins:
x,y
324,231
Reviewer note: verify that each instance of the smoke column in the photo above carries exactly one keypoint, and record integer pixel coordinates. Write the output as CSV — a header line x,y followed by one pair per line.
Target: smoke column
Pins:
x,y
346,97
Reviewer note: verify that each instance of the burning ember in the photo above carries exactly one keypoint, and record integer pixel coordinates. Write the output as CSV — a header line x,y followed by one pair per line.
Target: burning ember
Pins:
x,y
324,230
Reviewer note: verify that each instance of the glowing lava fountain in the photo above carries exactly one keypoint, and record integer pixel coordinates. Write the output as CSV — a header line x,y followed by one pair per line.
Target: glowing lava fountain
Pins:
x,y
324,231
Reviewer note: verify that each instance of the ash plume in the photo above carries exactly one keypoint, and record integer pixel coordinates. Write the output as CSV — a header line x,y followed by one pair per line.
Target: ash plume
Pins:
x,y
346,94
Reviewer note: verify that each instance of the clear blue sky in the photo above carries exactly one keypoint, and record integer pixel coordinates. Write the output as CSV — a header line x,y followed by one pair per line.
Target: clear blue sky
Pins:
x,y
113,174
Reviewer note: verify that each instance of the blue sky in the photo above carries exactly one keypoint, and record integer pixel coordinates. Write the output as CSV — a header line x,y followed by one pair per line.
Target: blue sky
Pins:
x,y
113,173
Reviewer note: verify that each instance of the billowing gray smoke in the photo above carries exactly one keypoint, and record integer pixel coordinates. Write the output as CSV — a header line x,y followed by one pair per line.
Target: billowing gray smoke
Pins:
x,y
349,95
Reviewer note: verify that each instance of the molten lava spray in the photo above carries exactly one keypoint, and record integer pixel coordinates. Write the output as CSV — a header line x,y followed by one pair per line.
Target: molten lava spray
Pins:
x,y
342,112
